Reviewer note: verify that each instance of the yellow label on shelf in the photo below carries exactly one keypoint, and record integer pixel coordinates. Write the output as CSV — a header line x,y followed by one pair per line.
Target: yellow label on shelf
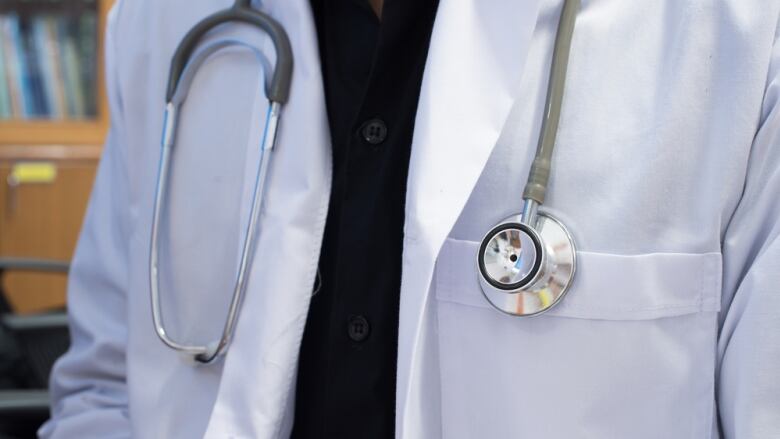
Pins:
x,y
34,172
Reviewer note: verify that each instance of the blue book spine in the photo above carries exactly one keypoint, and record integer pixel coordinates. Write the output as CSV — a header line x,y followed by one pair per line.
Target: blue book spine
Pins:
x,y
22,71
71,67
48,76
41,106
88,56
6,110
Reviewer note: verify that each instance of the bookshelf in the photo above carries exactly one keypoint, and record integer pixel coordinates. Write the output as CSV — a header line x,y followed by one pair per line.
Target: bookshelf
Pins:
x,y
56,122
35,129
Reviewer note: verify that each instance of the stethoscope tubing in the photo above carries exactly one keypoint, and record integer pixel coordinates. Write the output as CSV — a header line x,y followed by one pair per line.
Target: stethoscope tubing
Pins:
x,y
539,175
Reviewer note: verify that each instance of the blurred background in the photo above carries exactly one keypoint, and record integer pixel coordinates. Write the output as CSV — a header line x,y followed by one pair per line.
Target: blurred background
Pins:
x,y
53,118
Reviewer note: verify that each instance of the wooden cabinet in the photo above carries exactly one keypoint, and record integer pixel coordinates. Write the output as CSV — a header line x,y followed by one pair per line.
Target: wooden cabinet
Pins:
x,y
42,219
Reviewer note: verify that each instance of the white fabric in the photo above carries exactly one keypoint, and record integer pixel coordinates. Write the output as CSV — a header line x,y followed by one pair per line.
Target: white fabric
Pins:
x,y
666,171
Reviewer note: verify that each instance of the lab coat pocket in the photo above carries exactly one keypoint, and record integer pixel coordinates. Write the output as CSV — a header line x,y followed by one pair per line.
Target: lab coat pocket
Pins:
x,y
629,351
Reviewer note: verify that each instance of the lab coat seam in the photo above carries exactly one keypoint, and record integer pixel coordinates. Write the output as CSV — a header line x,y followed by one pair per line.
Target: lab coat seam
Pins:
x,y
692,308
763,113
703,299
633,309
610,254
700,298
704,302
710,426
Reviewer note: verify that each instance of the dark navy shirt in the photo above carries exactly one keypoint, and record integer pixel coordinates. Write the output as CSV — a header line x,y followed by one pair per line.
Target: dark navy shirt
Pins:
x,y
372,72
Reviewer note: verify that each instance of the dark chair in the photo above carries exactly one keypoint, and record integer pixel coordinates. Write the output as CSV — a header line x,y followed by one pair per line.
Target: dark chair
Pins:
x,y
29,345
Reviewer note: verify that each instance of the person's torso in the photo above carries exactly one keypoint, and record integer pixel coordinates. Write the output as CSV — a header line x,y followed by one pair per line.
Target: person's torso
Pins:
x,y
661,106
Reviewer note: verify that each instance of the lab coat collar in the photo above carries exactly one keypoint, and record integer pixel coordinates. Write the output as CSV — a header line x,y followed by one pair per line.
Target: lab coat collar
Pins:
x,y
475,63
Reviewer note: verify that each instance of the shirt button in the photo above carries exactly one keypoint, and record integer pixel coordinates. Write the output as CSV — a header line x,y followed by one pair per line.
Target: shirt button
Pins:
x,y
374,131
358,328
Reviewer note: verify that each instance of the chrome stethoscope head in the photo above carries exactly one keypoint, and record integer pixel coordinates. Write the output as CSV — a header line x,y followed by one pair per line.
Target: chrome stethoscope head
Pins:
x,y
184,65
526,263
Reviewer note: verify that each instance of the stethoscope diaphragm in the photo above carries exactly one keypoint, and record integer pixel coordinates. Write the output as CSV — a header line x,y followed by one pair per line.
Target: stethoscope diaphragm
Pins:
x,y
524,270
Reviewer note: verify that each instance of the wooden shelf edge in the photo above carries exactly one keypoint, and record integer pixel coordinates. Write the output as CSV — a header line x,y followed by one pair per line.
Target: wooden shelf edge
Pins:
x,y
50,152
50,132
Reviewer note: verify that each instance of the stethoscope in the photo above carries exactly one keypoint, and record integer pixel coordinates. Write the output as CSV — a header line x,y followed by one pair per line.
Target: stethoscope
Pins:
x,y
526,262
184,65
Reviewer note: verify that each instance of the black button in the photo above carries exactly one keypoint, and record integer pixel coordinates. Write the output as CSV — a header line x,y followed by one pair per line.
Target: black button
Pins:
x,y
358,328
374,131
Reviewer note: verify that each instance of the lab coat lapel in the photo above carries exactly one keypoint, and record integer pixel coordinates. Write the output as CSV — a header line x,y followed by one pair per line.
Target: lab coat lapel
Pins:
x,y
475,63
255,392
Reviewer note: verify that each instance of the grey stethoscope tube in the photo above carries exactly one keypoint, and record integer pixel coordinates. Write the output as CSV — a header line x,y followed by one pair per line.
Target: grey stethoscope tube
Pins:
x,y
184,66
536,187
526,263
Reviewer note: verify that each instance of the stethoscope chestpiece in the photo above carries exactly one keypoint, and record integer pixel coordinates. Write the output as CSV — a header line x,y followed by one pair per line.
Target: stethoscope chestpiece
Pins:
x,y
526,269
526,263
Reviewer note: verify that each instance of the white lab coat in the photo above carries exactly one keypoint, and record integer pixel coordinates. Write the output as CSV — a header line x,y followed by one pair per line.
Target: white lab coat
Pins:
x,y
667,172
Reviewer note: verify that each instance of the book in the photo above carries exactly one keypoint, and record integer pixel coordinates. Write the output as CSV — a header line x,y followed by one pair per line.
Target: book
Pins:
x,y
69,58
6,110
46,52
59,77
9,50
17,60
40,107
48,64
87,37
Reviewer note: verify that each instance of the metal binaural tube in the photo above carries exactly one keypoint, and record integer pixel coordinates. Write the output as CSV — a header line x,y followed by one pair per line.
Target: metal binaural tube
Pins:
x,y
250,237
169,133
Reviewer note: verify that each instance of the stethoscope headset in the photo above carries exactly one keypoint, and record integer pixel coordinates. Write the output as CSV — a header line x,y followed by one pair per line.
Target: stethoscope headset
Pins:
x,y
184,65
526,262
